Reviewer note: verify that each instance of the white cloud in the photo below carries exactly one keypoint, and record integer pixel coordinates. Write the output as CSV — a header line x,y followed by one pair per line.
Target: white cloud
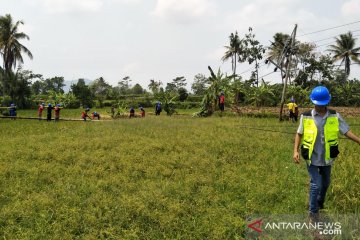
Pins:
x,y
58,6
267,19
184,11
351,8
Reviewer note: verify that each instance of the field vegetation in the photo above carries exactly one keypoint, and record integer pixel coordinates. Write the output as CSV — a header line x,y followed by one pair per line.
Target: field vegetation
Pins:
x,y
156,178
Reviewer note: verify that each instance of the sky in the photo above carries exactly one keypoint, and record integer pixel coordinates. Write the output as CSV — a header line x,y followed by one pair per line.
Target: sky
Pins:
x,y
165,39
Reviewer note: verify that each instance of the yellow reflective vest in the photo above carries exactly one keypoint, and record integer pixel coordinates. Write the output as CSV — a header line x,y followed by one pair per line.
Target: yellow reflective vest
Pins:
x,y
331,132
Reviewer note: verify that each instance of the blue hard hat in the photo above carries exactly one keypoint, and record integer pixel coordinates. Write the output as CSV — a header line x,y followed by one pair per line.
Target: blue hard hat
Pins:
x,y
292,100
12,104
49,105
320,96
95,113
58,105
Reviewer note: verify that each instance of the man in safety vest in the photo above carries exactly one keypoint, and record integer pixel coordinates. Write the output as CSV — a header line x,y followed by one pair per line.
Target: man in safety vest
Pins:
x,y
317,137
292,110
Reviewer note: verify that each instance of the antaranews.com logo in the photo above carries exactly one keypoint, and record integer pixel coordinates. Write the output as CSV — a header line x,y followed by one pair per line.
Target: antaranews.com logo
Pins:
x,y
285,227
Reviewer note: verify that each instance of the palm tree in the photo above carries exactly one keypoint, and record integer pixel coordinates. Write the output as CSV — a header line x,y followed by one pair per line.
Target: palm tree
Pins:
x,y
10,47
276,49
345,51
234,51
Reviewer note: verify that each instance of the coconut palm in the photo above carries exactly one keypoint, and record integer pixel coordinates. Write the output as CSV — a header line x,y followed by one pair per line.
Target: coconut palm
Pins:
x,y
345,50
276,49
234,51
10,47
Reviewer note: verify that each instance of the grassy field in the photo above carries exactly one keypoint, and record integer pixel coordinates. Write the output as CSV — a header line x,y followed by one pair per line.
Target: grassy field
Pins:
x,y
156,178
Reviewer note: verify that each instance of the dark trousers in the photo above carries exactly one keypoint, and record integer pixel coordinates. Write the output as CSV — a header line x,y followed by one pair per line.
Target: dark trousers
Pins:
x,y
319,183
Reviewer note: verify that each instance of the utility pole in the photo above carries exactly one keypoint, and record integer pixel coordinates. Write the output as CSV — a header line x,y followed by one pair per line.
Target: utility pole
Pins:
x,y
288,53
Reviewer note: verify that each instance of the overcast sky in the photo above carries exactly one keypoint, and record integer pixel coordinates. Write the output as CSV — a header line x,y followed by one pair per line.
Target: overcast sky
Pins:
x,y
163,39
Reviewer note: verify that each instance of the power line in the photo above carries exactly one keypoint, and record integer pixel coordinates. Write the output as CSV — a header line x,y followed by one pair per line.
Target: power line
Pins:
x,y
333,37
329,43
327,29
267,74
253,68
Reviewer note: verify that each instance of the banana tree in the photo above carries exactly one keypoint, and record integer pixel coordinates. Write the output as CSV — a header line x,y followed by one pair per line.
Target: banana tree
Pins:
x,y
218,83
263,95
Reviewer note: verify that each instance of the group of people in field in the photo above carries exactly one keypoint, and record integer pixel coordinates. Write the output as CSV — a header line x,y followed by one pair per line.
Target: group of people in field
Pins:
x,y
84,115
49,108
316,139
94,115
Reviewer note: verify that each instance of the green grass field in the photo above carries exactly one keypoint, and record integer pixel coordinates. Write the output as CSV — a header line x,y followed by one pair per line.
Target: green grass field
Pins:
x,y
156,178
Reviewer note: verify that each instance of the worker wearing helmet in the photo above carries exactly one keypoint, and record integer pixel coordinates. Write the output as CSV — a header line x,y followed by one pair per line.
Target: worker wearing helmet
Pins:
x,y
40,110
12,111
85,115
95,115
158,108
293,109
57,112
317,137
142,112
49,112
132,112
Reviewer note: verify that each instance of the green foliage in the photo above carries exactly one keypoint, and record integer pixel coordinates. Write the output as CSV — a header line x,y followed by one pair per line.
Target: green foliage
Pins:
x,y
301,95
10,47
218,83
235,51
168,102
18,86
137,89
183,94
154,86
346,50
200,84
120,110
54,84
253,52
318,69
124,85
262,96
179,82
82,93
100,89
170,87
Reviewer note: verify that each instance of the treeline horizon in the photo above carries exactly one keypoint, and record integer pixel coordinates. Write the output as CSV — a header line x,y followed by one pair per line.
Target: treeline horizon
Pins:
x,y
308,68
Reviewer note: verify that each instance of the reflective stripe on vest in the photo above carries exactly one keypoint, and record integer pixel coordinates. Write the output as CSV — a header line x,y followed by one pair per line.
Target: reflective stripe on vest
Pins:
x,y
331,132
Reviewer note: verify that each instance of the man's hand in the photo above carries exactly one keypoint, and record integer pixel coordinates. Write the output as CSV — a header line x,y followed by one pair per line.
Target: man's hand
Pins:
x,y
296,157
353,137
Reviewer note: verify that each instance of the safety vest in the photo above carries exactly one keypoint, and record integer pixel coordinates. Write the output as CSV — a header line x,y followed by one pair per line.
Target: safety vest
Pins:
x,y
331,132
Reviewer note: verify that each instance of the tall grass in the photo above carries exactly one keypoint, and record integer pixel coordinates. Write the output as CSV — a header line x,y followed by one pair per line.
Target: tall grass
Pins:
x,y
155,178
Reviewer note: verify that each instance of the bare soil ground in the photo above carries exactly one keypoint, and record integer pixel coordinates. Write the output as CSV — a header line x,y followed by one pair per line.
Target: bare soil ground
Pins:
x,y
344,111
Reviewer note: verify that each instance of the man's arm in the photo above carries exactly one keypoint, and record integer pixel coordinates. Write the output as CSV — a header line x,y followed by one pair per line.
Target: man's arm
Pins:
x,y
296,155
349,134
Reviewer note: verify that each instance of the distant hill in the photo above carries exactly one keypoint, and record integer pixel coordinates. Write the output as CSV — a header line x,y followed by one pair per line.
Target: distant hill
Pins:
x,y
68,84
